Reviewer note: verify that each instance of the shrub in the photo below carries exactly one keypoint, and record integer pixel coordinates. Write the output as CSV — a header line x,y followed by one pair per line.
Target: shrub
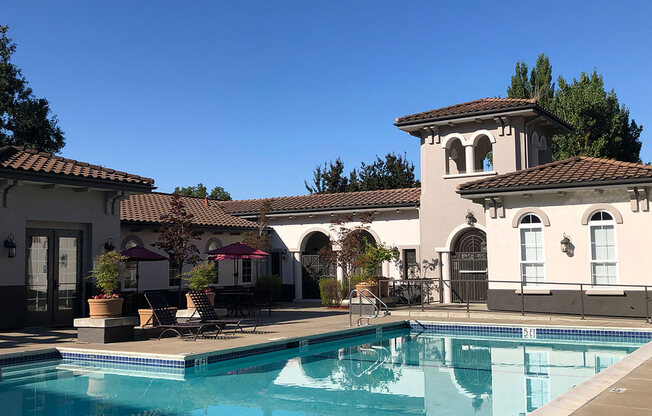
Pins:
x,y
272,284
107,272
200,276
331,292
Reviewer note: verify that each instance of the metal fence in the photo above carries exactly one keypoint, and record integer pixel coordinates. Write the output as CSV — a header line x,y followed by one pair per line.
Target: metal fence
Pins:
x,y
422,292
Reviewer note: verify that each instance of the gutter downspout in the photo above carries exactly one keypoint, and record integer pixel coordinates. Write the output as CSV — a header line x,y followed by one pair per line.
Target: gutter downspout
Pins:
x,y
6,186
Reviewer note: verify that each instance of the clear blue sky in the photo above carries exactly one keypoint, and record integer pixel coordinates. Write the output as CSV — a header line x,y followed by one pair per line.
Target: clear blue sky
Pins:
x,y
252,95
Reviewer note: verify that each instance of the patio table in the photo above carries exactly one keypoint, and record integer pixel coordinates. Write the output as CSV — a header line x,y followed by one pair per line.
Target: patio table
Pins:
x,y
237,300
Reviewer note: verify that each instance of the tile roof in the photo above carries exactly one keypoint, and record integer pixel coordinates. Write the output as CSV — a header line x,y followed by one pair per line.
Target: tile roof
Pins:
x,y
148,209
483,105
322,202
577,171
31,161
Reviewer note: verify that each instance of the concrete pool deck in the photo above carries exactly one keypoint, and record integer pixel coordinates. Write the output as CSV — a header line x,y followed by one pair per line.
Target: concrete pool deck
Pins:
x,y
593,397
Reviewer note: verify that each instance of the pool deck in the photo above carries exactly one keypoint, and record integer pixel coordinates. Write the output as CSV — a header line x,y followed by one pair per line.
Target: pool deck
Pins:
x,y
593,397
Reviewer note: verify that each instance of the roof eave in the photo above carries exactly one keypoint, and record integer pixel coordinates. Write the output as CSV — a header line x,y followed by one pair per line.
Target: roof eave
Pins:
x,y
509,110
62,179
329,209
475,193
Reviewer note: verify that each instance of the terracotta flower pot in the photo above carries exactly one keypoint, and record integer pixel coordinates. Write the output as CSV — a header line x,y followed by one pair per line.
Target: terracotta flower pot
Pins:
x,y
372,288
105,308
211,300
146,318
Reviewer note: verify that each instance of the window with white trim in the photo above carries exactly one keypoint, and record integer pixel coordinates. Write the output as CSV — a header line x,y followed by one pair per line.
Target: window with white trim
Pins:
x,y
246,271
604,263
532,261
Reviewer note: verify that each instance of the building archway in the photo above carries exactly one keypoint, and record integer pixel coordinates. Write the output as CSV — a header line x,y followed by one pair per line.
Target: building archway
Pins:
x,y
313,267
469,266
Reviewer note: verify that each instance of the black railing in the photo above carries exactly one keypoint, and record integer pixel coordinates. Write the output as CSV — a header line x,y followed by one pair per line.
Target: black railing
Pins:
x,y
422,292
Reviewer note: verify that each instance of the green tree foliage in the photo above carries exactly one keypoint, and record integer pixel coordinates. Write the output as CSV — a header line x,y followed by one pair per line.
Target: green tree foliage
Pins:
x,y
393,172
201,191
25,120
601,126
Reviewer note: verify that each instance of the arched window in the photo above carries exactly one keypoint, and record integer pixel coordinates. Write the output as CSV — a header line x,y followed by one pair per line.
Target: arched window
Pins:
x,y
455,158
604,263
483,153
532,261
130,278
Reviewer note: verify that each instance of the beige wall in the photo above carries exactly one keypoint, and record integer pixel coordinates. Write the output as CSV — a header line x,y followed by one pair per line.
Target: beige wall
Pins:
x,y
442,212
56,208
565,212
155,275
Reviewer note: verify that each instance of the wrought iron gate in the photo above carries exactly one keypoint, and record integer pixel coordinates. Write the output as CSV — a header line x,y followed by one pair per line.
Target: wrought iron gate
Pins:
x,y
314,268
469,262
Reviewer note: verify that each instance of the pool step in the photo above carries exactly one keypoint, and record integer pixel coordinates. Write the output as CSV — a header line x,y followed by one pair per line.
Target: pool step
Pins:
x,y
32,373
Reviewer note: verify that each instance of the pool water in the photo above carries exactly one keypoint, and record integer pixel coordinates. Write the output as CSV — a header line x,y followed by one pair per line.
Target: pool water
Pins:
x,y
400,373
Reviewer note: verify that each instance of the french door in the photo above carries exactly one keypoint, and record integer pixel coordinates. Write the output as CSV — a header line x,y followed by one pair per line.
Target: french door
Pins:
x,y
53,276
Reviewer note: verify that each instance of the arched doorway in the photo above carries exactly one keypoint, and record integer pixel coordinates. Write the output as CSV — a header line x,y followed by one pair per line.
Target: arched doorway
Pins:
x,y
313,266
469,267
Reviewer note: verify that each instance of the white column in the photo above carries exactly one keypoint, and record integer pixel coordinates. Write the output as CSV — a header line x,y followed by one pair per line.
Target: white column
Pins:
x,y
340,274
386,271
446,275
298,289
470,162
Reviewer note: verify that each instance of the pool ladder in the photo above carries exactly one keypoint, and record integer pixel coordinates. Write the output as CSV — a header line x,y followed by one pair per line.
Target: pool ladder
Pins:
x,y
372,300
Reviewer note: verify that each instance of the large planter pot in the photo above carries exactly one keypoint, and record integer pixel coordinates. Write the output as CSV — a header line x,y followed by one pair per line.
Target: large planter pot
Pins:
x,y
372,288
105,308
211,300
146,318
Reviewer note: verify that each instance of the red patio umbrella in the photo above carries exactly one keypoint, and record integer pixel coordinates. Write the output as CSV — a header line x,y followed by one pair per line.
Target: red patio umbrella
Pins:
x,y
237,251
139,254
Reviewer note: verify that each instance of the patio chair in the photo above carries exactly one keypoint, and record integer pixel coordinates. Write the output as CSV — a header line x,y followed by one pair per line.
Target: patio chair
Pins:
x,y
168,321
207,314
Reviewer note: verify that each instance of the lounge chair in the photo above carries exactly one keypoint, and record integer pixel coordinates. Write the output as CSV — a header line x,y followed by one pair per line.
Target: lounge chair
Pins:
x,y
207,314
168,321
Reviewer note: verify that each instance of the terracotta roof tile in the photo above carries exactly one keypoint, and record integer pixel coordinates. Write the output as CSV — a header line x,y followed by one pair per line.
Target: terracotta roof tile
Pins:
x,y
483,105
577,171
148,208
321,202
28,160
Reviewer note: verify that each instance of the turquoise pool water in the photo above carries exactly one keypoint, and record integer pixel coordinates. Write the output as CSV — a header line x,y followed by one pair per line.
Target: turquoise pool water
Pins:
x,y
401,373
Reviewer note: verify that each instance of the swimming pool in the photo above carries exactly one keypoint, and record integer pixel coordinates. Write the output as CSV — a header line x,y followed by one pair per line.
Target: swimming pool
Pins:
x,y
408,372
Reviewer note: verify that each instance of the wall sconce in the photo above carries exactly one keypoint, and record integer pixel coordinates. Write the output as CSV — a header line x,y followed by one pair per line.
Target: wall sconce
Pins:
x,y
11,246
108,246
565,244
470,218
284,254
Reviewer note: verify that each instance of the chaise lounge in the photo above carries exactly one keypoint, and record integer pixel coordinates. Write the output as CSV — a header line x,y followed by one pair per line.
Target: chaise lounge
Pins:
x,y
168,321
207,314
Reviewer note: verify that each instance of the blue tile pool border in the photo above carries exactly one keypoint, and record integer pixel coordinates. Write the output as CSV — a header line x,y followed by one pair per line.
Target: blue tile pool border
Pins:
x,y
501,331
542,332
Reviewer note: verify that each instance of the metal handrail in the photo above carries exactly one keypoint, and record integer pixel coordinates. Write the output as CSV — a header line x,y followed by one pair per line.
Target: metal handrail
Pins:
x,y
370,302
548,285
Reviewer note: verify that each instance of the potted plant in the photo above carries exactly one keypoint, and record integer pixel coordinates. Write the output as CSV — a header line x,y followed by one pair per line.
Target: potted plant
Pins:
x,y
199,278
106,272
370,262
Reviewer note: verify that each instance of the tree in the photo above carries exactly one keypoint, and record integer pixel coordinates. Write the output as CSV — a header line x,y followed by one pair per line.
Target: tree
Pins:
x,y
176,235
328,180
201,191
260,239
348,245
393,172
601,126
25,120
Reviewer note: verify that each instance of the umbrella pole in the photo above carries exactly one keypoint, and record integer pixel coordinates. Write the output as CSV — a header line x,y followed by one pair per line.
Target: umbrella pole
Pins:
x,y
136,302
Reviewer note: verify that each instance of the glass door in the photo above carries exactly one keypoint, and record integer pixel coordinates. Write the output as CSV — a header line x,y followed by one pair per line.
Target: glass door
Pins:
x,y
53,276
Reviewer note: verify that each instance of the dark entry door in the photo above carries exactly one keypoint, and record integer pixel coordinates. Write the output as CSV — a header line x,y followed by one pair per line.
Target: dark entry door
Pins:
x,y
314,268
53,276
469,267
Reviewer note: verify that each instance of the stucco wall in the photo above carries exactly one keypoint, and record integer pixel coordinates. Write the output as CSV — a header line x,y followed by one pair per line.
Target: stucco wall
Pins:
x,y
565,213
442,210
155,275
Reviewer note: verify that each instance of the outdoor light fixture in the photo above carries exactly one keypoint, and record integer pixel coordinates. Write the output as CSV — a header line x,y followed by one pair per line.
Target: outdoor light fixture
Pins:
x,y
470,218
108,246
565,244
284,254
11,246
